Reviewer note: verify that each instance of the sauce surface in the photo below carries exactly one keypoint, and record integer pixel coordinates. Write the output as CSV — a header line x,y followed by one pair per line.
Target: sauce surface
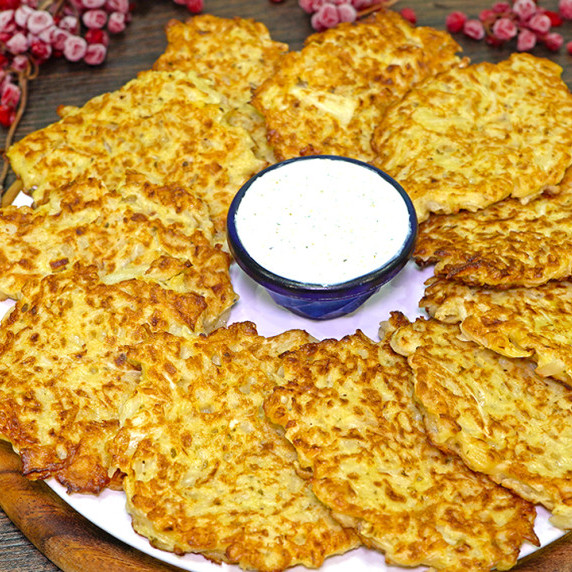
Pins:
x,y
322,221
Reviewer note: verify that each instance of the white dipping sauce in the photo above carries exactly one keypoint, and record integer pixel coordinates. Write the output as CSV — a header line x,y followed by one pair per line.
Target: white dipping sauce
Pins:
x,y
322,221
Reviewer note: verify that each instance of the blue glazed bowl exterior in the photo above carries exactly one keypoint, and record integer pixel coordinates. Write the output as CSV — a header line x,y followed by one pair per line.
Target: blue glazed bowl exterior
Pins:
x,y
313,300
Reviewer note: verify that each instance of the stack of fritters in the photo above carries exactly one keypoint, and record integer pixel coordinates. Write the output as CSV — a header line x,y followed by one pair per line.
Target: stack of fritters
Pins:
x,y
172,127
205,470
108,375
347,407
138,230
496,413
505,245
236,55
328,98
62,379
533,323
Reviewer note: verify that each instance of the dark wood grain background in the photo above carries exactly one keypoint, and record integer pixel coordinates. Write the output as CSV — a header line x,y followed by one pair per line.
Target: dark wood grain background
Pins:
x,y
66,538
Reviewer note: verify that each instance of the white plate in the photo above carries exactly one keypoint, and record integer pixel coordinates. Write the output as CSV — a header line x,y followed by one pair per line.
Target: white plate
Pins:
x,y
403,293
108,509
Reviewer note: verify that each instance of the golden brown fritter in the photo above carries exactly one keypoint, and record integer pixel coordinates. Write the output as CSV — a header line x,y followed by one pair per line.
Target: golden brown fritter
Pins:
x,y
205,470
505,245
520,322
236,54
140,230
347,406
172,127
473,136
62,378
328,97
496,413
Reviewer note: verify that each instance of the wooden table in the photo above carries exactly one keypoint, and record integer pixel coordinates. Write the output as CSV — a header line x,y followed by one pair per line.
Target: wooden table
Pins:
x,y
65,537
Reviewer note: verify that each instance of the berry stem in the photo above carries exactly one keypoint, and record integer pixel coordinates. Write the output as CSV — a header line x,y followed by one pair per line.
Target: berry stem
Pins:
x,y
31,72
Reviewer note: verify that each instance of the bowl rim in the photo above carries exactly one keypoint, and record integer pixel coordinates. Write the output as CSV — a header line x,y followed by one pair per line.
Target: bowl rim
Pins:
x,y
297,289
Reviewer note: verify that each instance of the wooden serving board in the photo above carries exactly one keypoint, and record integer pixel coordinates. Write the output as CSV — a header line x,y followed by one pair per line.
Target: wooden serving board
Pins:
x,y
66,538
76,545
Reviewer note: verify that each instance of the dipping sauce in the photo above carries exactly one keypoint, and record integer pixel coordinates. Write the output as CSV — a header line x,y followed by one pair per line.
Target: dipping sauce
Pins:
x,y
322,221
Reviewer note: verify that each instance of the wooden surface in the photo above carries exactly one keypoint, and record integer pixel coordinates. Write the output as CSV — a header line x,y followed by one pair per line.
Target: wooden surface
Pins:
x,y
69,542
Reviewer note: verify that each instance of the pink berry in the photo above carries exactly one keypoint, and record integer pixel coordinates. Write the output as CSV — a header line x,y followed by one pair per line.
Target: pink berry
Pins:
x,y
326,17
504,29
95,54
7,23
69,24
116,22
474,29
47,34
20,63
117,6
553,41
346,12
17,44
10,95
526,40
195,6
39,20
59,38
307,6
501,7
94,18
488,16
75,48
524,9
22,14
455,22
409,15
565,9
539,23
39,49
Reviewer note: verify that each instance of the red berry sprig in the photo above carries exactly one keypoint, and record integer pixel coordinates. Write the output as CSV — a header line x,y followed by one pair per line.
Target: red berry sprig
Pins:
x,y
32,33
329,13
523,20
76,30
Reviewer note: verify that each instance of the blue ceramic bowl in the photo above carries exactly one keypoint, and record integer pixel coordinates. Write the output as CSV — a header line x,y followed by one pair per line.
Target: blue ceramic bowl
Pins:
x,y
311,300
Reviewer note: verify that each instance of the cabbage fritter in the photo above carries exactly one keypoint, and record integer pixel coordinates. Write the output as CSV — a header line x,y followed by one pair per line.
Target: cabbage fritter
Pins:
x,y
205,470
496,413
473,136
520,322
348,408
236,54
505,245
62,378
